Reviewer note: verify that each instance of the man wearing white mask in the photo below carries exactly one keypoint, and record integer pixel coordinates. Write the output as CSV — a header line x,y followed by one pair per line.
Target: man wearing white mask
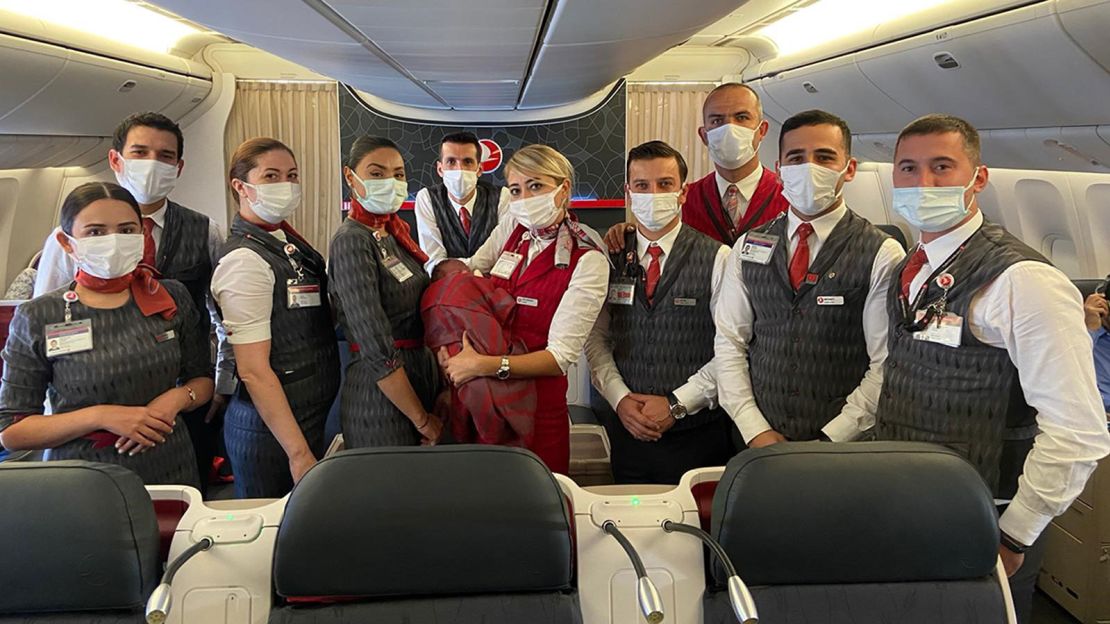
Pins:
x,y
988,351
182,244
651,349
454,217
802,327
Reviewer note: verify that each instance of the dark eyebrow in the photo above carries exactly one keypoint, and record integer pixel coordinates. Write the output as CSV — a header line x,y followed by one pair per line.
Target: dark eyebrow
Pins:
x,y
827,151
943,159
796,152
907,161
269,169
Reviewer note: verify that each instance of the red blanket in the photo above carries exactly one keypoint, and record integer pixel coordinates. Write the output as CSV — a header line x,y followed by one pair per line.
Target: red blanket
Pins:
x,y
485,410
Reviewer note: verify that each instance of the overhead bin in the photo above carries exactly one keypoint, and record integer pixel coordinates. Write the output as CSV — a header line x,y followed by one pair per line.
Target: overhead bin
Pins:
x,y
1088,22
1018,69
35,151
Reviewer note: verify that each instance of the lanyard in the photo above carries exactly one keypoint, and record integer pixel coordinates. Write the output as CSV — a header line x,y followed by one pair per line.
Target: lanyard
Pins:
x,y
936,309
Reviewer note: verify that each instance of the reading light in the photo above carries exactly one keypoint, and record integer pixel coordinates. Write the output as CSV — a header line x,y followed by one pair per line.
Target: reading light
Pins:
x,y
118,20
829,20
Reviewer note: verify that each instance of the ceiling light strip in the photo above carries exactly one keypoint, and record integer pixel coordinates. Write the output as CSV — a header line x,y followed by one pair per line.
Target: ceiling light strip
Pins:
x,y
357,35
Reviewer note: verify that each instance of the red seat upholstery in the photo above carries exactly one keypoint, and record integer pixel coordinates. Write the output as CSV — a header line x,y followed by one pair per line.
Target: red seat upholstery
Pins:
x,y
169,514
703,495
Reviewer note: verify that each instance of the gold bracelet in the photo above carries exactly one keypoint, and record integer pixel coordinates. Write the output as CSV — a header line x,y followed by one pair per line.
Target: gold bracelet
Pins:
x,y
192,395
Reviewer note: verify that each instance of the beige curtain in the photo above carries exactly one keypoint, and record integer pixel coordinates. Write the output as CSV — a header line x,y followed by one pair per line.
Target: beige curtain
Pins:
x,y
670,113
304,116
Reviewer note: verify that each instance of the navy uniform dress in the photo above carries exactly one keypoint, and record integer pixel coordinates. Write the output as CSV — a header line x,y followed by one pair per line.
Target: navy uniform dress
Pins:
x,y
303,354
134,359
381,315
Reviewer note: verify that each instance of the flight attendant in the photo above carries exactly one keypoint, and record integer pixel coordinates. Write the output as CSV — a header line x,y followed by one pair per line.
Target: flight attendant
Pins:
x,y
271,290
376,277
740,194
117,352
555,269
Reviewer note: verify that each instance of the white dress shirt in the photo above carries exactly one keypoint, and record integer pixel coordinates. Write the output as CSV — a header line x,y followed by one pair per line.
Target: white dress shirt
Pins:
x,y
700,390
581,302
746,186
243,286
1035,313
735,318
431,239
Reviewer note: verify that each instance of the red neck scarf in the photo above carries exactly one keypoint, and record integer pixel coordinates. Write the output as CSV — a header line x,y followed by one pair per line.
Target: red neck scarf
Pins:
x,y
146,290
284,227
393,224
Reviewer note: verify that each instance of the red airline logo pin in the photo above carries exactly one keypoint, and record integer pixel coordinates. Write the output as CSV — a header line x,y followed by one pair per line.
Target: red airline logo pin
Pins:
x,y
290,249
946,280
70,296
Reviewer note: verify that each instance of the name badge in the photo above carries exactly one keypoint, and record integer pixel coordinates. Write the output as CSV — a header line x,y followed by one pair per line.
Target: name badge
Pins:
x,y
67,338
397,269
622,292
506,264
165,336
947,332
758,248
302,294
830,300
527,301
685,301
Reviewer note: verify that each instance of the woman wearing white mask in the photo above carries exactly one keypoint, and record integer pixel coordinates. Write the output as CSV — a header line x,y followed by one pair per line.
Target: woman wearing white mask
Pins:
x,y
377,277
555,269
117,352
271,290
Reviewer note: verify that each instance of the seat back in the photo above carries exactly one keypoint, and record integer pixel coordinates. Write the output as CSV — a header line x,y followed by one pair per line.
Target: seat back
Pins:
x,y
400,534
859,532
81,538
1087,286
895,232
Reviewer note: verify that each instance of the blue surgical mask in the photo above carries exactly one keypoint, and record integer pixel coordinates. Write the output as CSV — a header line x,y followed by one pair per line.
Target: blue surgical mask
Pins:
x,y
932,208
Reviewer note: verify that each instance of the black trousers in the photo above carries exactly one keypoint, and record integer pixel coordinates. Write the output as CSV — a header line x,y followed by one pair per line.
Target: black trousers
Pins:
x,y
1023,583
677,452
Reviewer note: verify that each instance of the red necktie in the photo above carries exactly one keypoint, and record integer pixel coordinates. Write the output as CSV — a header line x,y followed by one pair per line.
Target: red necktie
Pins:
x,y
148,241
464,217
654,269
732,202
917,260
799,264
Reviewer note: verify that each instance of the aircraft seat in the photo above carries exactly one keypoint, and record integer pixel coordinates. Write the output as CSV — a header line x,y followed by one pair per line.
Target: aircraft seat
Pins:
x,y
460,533
1087,286
859,532
82,539
895,232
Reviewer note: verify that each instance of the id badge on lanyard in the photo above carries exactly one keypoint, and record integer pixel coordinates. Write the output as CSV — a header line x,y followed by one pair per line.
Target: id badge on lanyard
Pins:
x,y
622,291
301,291
392,263
759,248
69,336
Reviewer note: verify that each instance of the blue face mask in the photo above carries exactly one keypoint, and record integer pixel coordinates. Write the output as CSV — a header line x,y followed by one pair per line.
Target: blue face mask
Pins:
x,y
932,208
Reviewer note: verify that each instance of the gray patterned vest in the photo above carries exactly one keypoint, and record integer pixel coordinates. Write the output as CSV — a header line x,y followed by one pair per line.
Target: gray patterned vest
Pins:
x,y
657,347
183,254
482,220
967,398
303,349
804,358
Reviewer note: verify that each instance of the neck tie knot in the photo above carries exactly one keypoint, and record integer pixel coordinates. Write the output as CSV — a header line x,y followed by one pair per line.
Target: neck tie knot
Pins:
x,y
654,270
148,242
799,263
912,268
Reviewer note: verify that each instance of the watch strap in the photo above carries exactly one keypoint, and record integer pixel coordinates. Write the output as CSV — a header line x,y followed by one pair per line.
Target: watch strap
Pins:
x,y
1011,544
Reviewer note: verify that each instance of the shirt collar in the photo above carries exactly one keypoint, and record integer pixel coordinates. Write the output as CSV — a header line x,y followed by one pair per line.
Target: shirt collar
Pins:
x,y
469,204
746,185
822,226
942,248
666,242
159,216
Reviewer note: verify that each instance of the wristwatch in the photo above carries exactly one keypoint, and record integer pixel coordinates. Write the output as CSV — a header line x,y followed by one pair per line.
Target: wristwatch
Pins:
x,y
1013,545
503,370
678,410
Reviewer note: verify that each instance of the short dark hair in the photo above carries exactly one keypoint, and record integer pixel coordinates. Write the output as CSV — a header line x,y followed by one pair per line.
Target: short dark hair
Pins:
x,y
652,150
89,192
725,86
463,138
938,123
157,121
364,145
817,117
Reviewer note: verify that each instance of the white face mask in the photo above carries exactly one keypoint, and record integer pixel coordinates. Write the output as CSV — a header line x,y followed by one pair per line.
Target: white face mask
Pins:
x,y
536,212
275,202
383,195
932,208
109,256
150,181
810,188
730,145
460,182
655,211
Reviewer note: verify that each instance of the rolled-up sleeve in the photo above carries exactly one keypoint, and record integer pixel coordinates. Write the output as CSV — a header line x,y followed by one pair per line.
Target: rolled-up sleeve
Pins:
x,y
243,288
353,272
27,372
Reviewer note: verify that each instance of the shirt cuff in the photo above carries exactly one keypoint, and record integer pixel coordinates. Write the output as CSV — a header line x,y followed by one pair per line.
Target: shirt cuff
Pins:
x,y
1022,523
751,423
614,392
247,334
841,429
692,398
